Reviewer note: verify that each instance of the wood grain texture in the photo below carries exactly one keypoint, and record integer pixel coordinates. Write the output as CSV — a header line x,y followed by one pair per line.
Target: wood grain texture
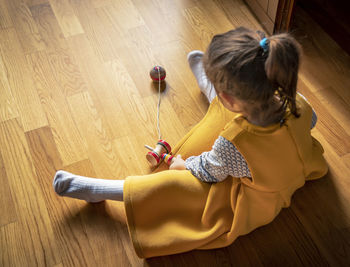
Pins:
x,y
62,60
174,54
7,206
105,159
66,72
124,15
289,233
75,94
31,3
322,52
101,225
8,105
69,229
129,100
21,83
25,26
331,230
5,18
98,86
69,23
66,134
48,26
272,9
97,29
13,250
263,4
102,86
213,15
35,239
196,18
67,215
137,55
135,147
100,3
234,10
264,19
327,124
153,14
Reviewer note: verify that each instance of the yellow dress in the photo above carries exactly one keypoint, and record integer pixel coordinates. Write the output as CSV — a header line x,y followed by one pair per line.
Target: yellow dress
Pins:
x,y
171,212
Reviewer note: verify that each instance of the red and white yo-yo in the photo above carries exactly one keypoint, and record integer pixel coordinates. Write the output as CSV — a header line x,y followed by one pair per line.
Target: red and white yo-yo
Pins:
x,y
154,157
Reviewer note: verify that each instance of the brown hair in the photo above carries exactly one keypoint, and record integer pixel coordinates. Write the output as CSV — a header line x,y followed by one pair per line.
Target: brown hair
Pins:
x,y
237,64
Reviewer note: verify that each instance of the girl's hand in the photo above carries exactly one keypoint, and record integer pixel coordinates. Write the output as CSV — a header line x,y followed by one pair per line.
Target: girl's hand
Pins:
x,y
177,163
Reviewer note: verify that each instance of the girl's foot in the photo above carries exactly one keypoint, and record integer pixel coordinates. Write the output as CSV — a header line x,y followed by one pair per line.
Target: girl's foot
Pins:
x,y
88,189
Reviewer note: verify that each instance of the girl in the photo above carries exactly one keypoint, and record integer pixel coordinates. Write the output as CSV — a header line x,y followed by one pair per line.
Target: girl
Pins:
x,y
243,161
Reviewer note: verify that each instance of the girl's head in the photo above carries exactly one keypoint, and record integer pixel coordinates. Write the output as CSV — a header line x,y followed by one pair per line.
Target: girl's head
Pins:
x,y
258,78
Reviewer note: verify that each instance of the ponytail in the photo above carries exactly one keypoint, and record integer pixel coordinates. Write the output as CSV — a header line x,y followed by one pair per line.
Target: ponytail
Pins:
x,y
252,68
281,67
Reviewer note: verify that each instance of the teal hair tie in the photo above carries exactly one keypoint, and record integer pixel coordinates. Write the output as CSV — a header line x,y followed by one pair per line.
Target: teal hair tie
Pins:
x,y
264,45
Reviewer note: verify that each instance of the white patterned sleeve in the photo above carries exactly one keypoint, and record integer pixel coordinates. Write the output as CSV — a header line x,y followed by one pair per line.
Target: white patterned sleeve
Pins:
x,y
216,165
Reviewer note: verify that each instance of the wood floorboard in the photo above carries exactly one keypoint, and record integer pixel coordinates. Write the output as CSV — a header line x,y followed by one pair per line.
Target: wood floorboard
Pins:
x,y
8,212
75,94
19,79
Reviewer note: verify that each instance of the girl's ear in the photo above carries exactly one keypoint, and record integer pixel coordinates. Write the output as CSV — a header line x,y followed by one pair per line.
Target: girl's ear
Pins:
x,y
231,103
227,99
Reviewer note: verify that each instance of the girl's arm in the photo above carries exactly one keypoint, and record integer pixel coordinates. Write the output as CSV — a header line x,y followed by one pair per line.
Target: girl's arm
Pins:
x,y
216,165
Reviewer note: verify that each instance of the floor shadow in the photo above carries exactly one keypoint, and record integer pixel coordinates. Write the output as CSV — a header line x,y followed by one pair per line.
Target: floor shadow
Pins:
x,y
97,232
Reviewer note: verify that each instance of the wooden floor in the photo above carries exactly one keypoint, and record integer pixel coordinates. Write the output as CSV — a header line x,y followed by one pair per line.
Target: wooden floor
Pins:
x,y
75,94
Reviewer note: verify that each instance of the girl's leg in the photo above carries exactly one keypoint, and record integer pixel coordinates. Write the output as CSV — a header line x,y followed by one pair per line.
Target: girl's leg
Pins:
x,y
195,60
86,188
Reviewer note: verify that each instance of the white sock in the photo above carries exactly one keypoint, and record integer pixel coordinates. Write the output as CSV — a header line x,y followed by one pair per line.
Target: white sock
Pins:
x,y
86,188
194,59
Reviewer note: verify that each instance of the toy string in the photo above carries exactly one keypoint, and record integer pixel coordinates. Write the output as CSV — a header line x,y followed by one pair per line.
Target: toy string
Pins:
x,y
158,107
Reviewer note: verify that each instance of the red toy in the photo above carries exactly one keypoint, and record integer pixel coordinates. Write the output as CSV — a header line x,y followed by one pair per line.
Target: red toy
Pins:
x,y
154,157
168,159
157,74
